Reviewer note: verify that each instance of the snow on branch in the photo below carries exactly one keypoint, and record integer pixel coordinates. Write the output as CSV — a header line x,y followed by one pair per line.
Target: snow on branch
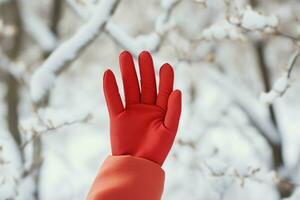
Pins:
x,y
234,27
222,30
254,20
163,22
149,41
135,45
82,11
44,77
13,68
36,28
281,85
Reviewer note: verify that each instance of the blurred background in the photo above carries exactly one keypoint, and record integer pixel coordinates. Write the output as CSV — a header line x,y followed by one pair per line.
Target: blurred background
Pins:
x,y
235,62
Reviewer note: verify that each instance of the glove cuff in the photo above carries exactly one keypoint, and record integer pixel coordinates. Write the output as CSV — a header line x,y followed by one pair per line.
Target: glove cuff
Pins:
x,y
128,177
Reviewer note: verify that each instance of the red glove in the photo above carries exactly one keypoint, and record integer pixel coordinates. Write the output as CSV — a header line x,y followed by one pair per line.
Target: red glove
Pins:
x,y
147,126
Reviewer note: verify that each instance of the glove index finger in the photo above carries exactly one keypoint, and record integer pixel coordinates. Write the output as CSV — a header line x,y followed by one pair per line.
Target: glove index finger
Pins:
x,y
172,117
166,79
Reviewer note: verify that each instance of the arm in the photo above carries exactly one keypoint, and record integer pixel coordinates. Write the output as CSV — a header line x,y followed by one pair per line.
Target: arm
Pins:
x,y
142,132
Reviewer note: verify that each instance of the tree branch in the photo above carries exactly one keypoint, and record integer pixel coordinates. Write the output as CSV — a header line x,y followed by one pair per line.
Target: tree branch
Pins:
x,y
36,28
49,127
150,41
43,79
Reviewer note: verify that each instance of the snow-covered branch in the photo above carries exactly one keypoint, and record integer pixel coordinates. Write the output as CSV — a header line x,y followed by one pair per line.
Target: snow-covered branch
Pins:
x,y
8,66
281,85
254,20
150,41
235,27
222,30
164,22
133,44
79,9
36,28
44,77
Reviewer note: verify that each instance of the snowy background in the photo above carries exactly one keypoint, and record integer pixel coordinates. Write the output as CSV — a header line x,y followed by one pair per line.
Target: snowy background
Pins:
x,y
235,61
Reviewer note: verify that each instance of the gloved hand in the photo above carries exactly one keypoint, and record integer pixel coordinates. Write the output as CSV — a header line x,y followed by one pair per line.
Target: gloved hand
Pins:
x,y
147,125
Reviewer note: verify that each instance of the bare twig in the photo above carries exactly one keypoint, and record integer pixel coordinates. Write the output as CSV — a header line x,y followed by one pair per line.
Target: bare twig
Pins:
x,y
49,127
291,63
252,174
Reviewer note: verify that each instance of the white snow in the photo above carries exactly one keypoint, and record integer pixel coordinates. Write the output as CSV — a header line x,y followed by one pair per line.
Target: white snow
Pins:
x,y
81,10
142,42
222,30
253,20
149,42
280,86
167,4
25,188
42,81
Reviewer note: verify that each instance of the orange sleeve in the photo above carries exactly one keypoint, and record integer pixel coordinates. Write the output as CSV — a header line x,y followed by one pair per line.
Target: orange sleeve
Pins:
x,y
128,178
